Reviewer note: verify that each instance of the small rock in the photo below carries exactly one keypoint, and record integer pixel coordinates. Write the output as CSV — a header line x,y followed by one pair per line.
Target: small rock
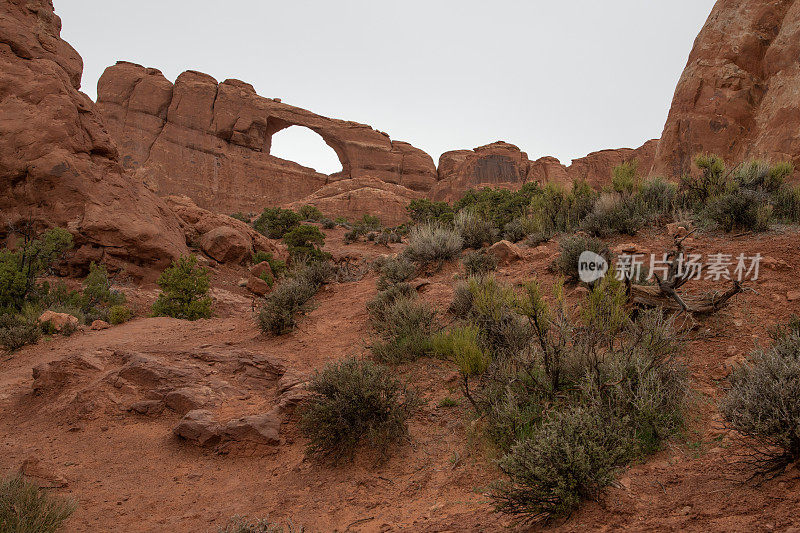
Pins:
x,y
505,251
258,286
199,427
793,295
100,324
147,407
625,248
261,269
226,244
242,282
188,399
58,320
261,429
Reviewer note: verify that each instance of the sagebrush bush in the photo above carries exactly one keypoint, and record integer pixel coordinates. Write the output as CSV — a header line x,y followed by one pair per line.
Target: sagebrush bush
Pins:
x,y
555,209
479,263
475,230
657,198
613,213
763,402
25,508
290,296
404,326
119,314
17,331
570,457
184,287
310,213
328,223
740,209
433,243
395,270
571,249
275,222
355,401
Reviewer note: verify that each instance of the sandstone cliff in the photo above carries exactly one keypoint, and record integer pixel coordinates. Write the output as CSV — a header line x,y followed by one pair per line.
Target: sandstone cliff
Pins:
x,y
58,165
211,142
738,96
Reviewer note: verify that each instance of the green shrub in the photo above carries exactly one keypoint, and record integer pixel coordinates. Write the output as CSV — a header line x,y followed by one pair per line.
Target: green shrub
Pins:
x,y
184,287
432,243
426,211
556,210
740,209
475,231
328,223
395,270
479,263
657,198
763,405
462,346
278,315
571,249
571,456
305,243
624,177
275,222
310,213
20,268
713,181
498,206
612,214
25,508
119,314
16,331
352,402
404,327
787,204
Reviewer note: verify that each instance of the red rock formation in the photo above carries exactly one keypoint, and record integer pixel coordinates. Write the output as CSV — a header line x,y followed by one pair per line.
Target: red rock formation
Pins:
x,y
738,96
501,164
211,142
58,166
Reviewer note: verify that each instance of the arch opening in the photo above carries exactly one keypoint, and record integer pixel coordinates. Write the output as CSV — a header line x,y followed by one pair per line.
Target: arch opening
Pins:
x,y
306,147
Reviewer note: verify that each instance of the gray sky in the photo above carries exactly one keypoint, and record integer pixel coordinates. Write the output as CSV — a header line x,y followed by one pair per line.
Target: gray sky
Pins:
x,y
554,78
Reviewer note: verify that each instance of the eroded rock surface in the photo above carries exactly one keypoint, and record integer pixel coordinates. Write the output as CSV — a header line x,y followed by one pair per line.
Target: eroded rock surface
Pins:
x,y
58,165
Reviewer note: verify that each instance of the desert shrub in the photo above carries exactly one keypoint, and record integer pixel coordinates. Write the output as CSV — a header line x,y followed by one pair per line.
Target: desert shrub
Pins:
x,y
695,191
787,204
624,177
404,327
305,243
475,230
570,398
498,206
432,243
355,401
461,345
571,249
241,524
763,405
739,209
327,223
290,296
395,270
382,238
241,216
478,263
310,213
119,314
760,176
275,222
427,211
20,268
613,213
25,508
571,456
519,228
657,198
555,209
378,307
184,287
17,331
98,295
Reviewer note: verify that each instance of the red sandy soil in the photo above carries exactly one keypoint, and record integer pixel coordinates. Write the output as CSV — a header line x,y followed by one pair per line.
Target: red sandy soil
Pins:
x,y
127,471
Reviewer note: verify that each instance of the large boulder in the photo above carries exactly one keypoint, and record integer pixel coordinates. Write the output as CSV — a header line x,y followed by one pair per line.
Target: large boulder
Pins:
x,y
58,165
738,96
226,245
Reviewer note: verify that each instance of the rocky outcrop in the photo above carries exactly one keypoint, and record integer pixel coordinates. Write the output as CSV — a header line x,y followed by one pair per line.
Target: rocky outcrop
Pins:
x,y
501,164
738,96
58,166
211,141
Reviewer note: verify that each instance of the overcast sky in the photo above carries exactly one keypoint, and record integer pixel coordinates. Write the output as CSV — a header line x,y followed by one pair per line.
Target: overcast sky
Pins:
x,y
554,78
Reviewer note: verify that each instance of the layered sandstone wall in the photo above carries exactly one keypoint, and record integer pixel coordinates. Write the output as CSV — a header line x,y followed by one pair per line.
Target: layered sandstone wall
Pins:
x,y
211,142
738,96
58,166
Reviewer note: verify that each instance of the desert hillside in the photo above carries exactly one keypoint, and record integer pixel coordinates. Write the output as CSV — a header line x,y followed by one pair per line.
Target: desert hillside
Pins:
x,y
197,335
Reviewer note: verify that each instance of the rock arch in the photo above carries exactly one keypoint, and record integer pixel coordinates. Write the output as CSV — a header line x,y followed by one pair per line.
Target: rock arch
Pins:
x,y
210,141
